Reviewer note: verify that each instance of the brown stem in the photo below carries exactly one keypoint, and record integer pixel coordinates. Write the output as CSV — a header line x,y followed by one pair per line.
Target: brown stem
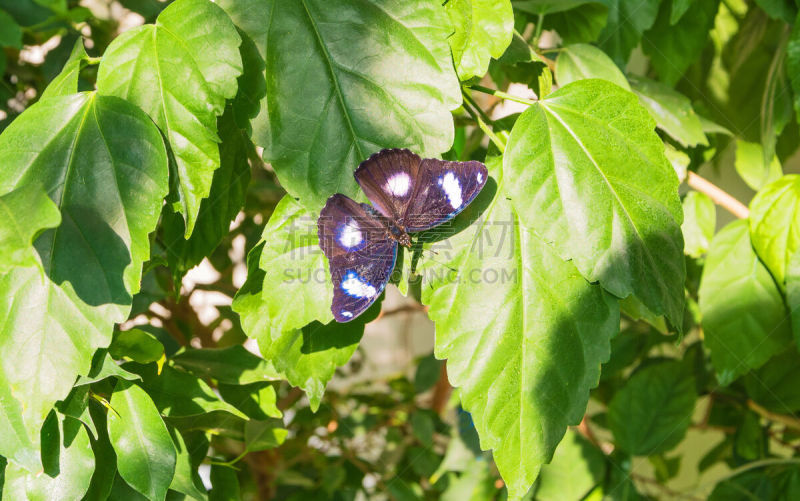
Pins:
x,y
441,392
788,421
720,197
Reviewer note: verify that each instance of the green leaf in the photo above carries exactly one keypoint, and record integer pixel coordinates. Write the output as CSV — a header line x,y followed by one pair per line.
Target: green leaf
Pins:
x,y
232,365
475,484
105,459
26,212
577,466
176,393
19,445
353,100
751,168
224,202
785,10
793,65
76,405
262,435
673,46
678,9
652,412
257,400
773,482
510,328
428,372
224,484
671,110
136,344
774,384
104,164
627,20
483,30
793,293
186,480
181,76
775,224
579,61
744,318
103,366
145,454
306,355
605,195
582,24
71,471
294,264
10,32
699,223
214,422
66,82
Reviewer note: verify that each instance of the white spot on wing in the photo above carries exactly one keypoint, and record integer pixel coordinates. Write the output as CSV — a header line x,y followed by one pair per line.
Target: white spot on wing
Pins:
x,y
452,188
347,314
350,235
355,287
399,184
480,177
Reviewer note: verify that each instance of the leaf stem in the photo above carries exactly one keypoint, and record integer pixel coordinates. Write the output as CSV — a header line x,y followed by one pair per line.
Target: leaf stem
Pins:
x,y
720,197
788,421
468,105
538,33
501,94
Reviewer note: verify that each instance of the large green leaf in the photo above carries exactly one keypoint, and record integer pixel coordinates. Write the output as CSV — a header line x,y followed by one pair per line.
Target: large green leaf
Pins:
x,y
68,473
673,46
523,334
24,213
339,91
591,176
577,466
66,82
652,412
483,30
744,319
579,61
145,454
104,164
775,224
627,20
180,71
299,349
671,110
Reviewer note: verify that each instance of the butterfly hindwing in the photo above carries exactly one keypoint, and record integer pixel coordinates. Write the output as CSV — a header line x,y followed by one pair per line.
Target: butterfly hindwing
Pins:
x,y
389,179
360,254
443,190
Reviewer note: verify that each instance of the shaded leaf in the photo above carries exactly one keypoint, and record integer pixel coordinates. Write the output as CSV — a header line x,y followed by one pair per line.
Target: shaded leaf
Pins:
x,y
605,195
383,79
264,434
751,167
136,344
577,466
699,223
186,480
627,20
180,75
232,365
103,366
25,212
672,112
744,318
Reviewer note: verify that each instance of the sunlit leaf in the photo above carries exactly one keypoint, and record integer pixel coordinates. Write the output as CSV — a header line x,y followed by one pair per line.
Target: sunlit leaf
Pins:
x,y
25,212
699,223
775,224
579,61
483,30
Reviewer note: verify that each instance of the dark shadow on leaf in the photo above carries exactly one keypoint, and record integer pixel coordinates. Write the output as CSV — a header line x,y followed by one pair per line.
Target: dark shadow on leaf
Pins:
x,y
321,337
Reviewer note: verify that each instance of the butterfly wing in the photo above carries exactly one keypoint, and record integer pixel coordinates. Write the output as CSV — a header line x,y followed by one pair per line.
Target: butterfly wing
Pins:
x,y
360,254
389,178
443,190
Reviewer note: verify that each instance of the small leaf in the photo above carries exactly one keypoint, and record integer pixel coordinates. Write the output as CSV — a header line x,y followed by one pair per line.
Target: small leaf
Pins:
x,y
232,365
353,103
74,463
66,82
483,30
103,366
577,466
257,400
627,20
428,372
25,212
186,480
262,435
652,412
699,223
750,165
145,454
579,61
671,110
606,197
775,224
744,319
136,344
181,78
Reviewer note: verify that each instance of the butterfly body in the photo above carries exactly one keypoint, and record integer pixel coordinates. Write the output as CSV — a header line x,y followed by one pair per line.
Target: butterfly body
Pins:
x,y
409,194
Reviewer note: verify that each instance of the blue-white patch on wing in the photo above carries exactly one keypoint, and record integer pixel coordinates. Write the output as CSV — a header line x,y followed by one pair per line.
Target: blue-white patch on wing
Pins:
x,y
452,188
398,184
349,235
354,286
346,314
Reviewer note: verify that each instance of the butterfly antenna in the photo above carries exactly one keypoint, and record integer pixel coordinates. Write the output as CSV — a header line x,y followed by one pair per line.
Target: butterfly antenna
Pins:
x,y
437,261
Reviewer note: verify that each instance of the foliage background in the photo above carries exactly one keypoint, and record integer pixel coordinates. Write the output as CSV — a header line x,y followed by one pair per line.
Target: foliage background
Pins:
x,y
209,389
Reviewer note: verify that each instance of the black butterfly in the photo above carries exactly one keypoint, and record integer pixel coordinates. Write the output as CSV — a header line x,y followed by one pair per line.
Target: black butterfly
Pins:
x,y
410,194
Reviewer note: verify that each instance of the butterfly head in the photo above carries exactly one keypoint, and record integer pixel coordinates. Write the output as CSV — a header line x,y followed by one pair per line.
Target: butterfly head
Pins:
x,y
399,235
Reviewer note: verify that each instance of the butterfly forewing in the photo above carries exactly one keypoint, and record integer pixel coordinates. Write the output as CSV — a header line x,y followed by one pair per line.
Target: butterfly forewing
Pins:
x,y
360,253
443,190
389,179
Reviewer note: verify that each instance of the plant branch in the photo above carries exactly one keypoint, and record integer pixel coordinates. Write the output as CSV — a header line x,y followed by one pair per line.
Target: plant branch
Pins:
x,y
788,421
720,197
501,94
468,105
